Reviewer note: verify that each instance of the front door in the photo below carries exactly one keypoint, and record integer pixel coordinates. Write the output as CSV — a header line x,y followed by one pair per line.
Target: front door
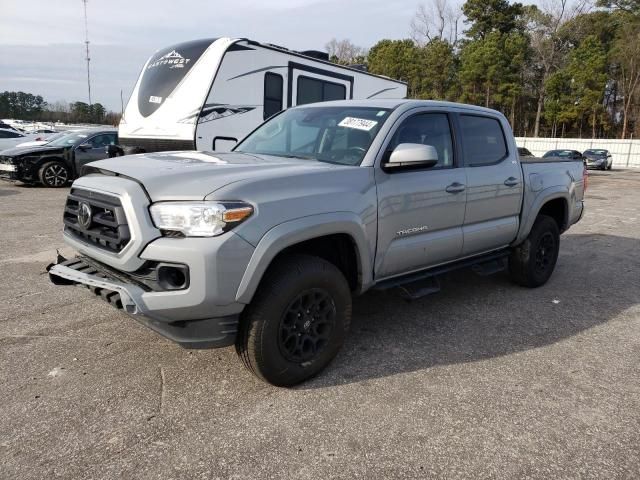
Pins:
x,y
494,184
94,148
420,211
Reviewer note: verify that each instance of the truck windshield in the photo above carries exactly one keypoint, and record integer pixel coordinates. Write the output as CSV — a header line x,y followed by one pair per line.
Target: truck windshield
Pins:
x,y
339,135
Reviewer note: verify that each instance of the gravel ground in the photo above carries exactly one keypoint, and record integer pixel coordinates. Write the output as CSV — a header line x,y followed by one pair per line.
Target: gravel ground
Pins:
x,y
482,380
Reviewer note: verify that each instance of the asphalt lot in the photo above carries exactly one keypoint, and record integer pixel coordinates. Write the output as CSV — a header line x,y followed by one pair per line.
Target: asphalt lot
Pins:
x,y
482,380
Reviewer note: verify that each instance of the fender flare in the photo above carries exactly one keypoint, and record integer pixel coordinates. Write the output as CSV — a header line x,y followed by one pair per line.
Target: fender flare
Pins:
x,y
544,196
306,228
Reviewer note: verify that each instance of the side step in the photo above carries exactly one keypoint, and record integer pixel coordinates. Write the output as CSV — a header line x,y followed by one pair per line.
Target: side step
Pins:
x,y
418,284
419,288
490,267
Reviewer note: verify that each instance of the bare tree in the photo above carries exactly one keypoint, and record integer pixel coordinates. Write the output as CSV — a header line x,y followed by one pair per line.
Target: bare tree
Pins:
x,y
546,43
345,52
438,19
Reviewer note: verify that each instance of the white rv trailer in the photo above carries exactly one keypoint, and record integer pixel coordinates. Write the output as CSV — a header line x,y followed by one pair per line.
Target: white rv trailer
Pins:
x,y
208,94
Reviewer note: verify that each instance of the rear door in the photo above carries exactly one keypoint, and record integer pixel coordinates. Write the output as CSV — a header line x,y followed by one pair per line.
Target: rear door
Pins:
x,y
420,211
494,183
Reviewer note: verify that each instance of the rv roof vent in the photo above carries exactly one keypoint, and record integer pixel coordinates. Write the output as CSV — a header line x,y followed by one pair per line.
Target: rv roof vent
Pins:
x,y
316,54
359,66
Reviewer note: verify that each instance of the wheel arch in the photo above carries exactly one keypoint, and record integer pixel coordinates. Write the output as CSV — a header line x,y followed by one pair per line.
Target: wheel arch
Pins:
x,y
553,202
339,238
41,162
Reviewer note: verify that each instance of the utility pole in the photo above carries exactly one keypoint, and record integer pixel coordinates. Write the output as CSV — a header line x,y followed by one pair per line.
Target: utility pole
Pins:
x,y
86,44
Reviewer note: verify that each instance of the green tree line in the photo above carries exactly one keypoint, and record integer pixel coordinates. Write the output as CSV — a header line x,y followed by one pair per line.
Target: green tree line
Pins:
x,y
26,106
570,69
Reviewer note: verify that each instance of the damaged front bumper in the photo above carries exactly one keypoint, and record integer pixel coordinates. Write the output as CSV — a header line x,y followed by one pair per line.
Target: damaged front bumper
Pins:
x,y
198,333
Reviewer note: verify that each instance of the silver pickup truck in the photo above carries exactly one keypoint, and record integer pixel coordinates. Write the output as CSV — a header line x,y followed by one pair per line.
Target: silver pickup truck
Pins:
x,y
264,246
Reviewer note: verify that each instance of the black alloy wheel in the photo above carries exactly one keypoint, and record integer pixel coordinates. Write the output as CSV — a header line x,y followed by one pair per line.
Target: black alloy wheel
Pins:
x,y
54,174
306,325
545,253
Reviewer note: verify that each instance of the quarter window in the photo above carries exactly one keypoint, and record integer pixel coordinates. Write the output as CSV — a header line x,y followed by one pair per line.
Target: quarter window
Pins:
x,y
482,140
312,90
272,94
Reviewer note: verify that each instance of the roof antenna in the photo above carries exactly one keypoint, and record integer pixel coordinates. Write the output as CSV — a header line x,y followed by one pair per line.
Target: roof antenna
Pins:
x,y
86,44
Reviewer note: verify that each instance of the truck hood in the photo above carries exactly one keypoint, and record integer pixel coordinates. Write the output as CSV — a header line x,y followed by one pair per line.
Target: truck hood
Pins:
x,y
194,175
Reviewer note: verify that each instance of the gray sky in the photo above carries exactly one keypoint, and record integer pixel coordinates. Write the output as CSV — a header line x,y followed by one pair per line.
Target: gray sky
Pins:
x,y
42,49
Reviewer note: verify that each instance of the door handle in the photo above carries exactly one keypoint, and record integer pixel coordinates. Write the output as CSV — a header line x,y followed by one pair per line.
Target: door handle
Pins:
x,y
511,182
455,187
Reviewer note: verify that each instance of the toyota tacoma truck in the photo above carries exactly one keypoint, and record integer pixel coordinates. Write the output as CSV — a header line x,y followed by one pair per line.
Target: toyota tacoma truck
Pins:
x,y
264,247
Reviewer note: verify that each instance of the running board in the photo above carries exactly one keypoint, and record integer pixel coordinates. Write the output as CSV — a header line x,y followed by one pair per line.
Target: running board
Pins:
x,y
425,282
419,288
490,267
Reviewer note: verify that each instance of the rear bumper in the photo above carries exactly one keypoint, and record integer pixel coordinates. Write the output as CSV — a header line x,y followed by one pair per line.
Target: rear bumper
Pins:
x,y
219,331
596,166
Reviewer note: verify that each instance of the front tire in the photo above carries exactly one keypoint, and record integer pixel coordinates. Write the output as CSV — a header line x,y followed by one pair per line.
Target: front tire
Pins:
x,y
54,174
532,262
297,321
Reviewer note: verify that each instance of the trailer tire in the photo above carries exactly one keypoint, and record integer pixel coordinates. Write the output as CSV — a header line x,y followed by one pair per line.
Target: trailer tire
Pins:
x,y
296,322
532,262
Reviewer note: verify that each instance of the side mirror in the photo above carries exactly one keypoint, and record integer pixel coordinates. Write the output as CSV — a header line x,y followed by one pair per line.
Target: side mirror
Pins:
x,y
85,146
413,155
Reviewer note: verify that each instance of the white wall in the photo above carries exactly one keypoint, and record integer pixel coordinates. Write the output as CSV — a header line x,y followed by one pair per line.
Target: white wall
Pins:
x,y
626,153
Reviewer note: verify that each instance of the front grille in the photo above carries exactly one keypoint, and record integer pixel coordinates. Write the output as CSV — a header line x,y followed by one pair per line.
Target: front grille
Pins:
x,y
107,227
157,144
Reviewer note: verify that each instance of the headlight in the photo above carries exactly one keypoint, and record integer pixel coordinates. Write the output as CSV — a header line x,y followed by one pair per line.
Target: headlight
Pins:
x,y
199,219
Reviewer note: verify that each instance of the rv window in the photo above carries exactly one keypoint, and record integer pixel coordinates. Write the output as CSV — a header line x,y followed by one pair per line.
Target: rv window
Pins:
x,y
272,94
312,90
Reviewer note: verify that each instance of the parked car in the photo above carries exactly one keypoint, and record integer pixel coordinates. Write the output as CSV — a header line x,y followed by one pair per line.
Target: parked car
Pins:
x,y
58,162
599,158
262,247
524,152
570,154
9,138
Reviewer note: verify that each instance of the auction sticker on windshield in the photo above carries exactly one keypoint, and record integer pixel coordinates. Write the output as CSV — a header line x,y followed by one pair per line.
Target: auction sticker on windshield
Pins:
x,y
358,123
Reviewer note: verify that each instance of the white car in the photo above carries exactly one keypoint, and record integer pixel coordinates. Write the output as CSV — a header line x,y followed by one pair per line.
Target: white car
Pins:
x,y
11,138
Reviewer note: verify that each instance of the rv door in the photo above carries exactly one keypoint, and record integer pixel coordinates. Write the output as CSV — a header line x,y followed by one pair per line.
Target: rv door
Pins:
x,y
309,84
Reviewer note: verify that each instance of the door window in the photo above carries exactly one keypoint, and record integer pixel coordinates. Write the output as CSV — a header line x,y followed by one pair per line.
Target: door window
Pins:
x,y
312,90
428,129
103,140
272,94
483,140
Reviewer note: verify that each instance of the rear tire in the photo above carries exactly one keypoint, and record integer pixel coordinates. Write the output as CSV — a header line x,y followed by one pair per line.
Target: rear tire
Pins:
x,y
532,262
296,322
54,174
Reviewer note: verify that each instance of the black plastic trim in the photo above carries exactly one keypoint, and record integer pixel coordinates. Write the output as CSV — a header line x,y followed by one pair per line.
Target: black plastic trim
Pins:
x,y
230,139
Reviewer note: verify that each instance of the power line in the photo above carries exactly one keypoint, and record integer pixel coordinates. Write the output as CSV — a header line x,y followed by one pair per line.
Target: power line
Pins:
x,y
86,44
